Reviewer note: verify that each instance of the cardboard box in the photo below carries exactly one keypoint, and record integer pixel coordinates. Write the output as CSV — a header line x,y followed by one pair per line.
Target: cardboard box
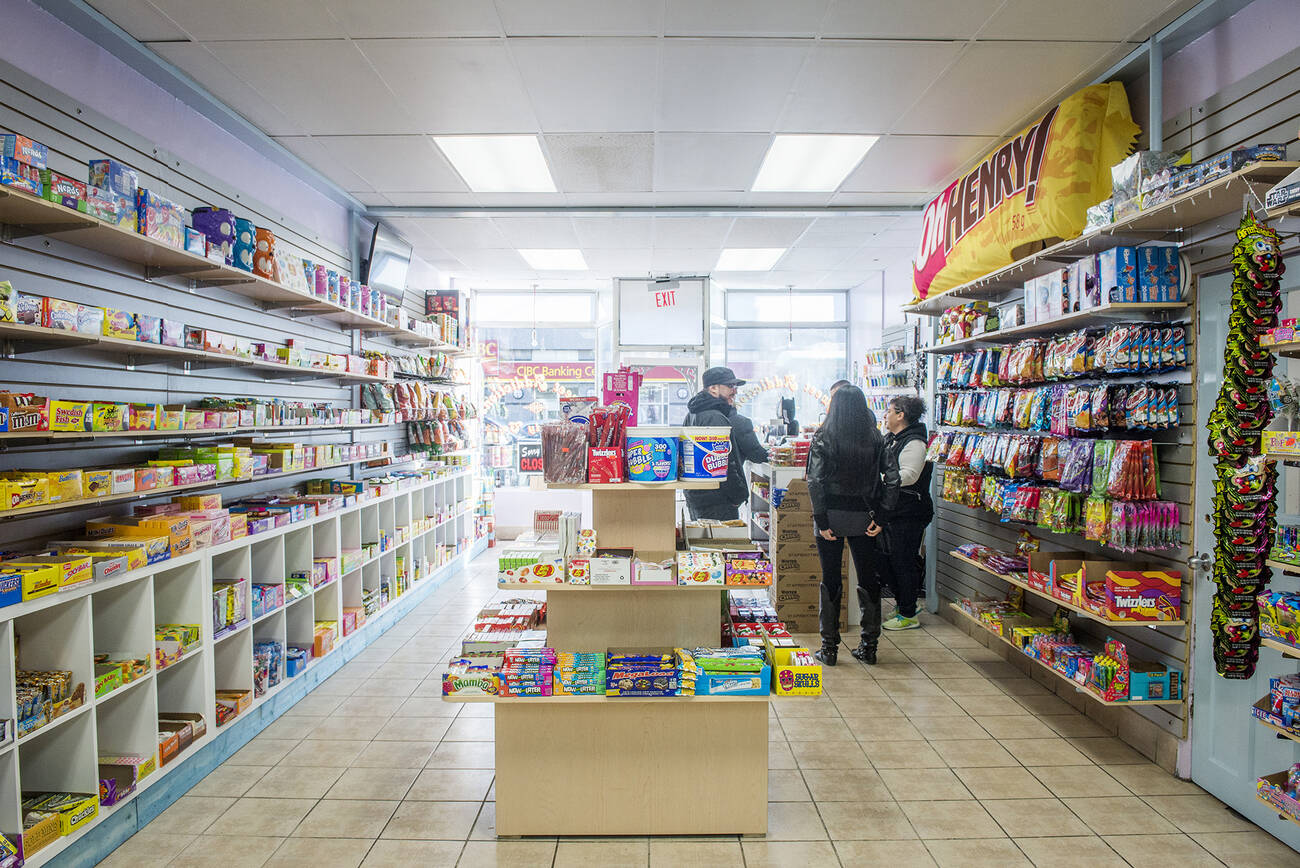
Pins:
x,y
789,679
1143,595
198,726
611,567
1118,274
41,834
734,683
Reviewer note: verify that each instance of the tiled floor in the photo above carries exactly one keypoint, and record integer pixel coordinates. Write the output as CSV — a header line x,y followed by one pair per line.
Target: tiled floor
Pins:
x,y
921,760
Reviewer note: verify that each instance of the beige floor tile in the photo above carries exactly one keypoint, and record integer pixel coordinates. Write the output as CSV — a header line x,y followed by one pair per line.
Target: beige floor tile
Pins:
x,y
615,854
696,854
902,754
1002,726
295,782
975,652
1246,849
846,785
910,785
865,821
779,755
1080,852
948,727
1002,783
1021,686
402,854
346,818
1035,818
895,854
1075,726
347,729
952,669
980,705
794,821
921,687
786,785
396,754
1151,780
816,729
503,854
1045,752
889,671
1198,813
189,815
951,819
1074,781
973,753
404,670
996,669
987,853
471,729
417,728
451,785
317,852
866,729
1108,751
927,706
463,755
485,824
291,727
829,755
386,687
218,851
277,817
1118,815
316,704
927,657
822,707
968,687
262,752
337,685
322,753
228,780
427,706
373,783
369,706
1165,851
1045,704
433,821
789,854
146,849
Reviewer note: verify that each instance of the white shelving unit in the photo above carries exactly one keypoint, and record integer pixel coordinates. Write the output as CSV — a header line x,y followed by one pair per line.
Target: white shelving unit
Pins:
x,y
65,630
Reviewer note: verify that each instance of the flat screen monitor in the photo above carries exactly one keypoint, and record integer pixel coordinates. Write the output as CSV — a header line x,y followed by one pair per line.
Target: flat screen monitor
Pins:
x,y
388,262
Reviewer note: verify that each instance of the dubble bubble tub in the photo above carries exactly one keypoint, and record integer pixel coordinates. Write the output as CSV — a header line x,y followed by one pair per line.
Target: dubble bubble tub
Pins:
x,y
705,452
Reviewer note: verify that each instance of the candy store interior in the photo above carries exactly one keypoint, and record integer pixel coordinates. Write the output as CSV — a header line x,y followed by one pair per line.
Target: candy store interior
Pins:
x,y
477,401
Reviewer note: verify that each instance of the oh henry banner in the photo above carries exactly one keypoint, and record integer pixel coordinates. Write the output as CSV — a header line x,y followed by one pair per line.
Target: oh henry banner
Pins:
x,y
1036,186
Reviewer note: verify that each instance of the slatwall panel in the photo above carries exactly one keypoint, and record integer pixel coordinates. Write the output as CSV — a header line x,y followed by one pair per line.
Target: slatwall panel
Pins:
x,y
48,266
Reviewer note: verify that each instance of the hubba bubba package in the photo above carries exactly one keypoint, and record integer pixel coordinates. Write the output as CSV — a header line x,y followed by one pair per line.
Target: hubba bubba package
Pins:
x,y
1036,186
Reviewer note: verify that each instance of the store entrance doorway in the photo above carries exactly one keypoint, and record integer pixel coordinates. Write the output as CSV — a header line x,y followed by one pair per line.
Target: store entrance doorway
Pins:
x,y
1229,750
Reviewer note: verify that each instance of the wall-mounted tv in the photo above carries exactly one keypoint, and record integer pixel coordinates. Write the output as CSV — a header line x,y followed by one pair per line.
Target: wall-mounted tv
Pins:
x,y
388,262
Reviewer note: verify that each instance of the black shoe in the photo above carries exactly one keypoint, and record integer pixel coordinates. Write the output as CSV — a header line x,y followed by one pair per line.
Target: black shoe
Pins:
x,y
827,655
866,653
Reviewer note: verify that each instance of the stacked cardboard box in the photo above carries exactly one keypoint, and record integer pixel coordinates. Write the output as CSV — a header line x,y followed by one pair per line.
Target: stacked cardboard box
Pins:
x,y
796,570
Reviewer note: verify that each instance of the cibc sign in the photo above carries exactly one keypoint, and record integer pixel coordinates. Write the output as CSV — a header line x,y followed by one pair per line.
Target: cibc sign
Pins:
x,y
530,458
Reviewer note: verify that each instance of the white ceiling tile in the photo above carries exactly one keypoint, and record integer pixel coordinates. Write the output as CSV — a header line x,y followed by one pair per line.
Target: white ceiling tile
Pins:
x,y
252,19
390,19
453,86
316,155
399,164
614,233
916,199
726,85
592,162
863,87
957,104
537,232
581,17
895,238
582,85
493,260
324,87
620,262
844,232
813,258
915,19
511,200
744,17
1105,20
766,231
459,234
704,162
876,257
202,65
138,18
596,200
681,260
901,163
687,232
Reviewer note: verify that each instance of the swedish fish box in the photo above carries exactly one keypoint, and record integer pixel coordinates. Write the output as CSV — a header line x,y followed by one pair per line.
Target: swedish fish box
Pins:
x,y
69,415
1144,595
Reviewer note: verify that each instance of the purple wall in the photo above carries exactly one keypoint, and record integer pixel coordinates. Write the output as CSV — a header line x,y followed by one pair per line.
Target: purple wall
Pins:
x,y
45,48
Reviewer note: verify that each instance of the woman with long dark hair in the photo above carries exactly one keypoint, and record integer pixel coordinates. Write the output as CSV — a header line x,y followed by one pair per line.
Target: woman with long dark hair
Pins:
x,y
845,485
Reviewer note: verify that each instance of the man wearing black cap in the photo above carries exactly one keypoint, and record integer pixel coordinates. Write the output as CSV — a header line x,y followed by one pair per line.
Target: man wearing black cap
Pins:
x,y
715,406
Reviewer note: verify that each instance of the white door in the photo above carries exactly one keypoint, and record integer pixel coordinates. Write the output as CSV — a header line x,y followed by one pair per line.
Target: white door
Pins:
x,y
1230,751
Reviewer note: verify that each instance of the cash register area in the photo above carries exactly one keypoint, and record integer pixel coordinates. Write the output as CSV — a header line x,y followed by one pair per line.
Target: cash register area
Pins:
x,y
941,738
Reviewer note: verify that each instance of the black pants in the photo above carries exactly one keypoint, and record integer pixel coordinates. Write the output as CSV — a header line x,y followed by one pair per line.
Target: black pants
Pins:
x,y
900,566
865,557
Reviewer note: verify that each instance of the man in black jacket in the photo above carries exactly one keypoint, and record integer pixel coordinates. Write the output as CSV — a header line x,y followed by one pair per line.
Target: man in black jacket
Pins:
x,y
715,406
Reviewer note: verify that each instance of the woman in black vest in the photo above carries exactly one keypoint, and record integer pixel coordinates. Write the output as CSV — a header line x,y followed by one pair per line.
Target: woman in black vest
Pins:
x,y
906,507
844,462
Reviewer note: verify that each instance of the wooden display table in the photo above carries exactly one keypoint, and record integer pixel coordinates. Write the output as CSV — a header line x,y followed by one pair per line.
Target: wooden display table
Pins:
x,y
591,765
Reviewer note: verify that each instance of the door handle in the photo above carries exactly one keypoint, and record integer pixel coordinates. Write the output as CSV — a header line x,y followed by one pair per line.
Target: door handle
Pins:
x,y
1201,562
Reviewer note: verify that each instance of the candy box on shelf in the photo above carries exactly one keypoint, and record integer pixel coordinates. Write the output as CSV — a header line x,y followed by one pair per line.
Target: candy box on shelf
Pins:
x,y
734,683
484,683
701,568
106,205
112,175
20,176
750,569
611,567
1143,595
160,219
530,568
218,226
794,671
59,314
1118,274
69,415
649,573
24,150
62,190
1276,789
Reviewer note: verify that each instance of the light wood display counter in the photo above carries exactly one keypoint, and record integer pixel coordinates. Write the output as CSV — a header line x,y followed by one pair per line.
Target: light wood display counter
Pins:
x,y
592,765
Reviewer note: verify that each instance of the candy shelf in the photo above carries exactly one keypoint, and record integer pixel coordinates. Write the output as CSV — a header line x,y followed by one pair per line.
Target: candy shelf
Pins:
x,y
617,700
190,434
1283,565
1195,206
695,485
557,586
1281,647
1286,349
1080,689
1100,316
60,720
1082,613
1272,807
1281,733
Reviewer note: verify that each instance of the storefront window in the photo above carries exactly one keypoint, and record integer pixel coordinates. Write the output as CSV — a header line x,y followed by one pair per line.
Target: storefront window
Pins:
x,y
769,336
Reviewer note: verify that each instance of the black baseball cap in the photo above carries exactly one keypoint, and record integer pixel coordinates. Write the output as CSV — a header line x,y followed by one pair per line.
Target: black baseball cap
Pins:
x,y
721,377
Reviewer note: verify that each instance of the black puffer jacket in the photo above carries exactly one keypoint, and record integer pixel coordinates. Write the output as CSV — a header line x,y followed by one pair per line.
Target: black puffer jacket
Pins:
x,y
906,502
707,411
830,487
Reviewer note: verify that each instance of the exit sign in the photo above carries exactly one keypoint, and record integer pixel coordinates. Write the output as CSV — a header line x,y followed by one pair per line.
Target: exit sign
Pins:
x,y
665,298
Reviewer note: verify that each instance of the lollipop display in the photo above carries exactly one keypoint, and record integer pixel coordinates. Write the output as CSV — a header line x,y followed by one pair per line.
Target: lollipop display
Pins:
x,y
1245,488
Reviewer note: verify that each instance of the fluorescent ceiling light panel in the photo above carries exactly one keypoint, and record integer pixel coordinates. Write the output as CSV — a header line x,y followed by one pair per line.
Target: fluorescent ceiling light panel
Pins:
x,y
554,259
749,258
499,164
811,164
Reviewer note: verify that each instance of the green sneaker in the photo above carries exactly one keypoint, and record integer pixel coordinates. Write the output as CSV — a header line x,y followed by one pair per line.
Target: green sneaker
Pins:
x,y
898,622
